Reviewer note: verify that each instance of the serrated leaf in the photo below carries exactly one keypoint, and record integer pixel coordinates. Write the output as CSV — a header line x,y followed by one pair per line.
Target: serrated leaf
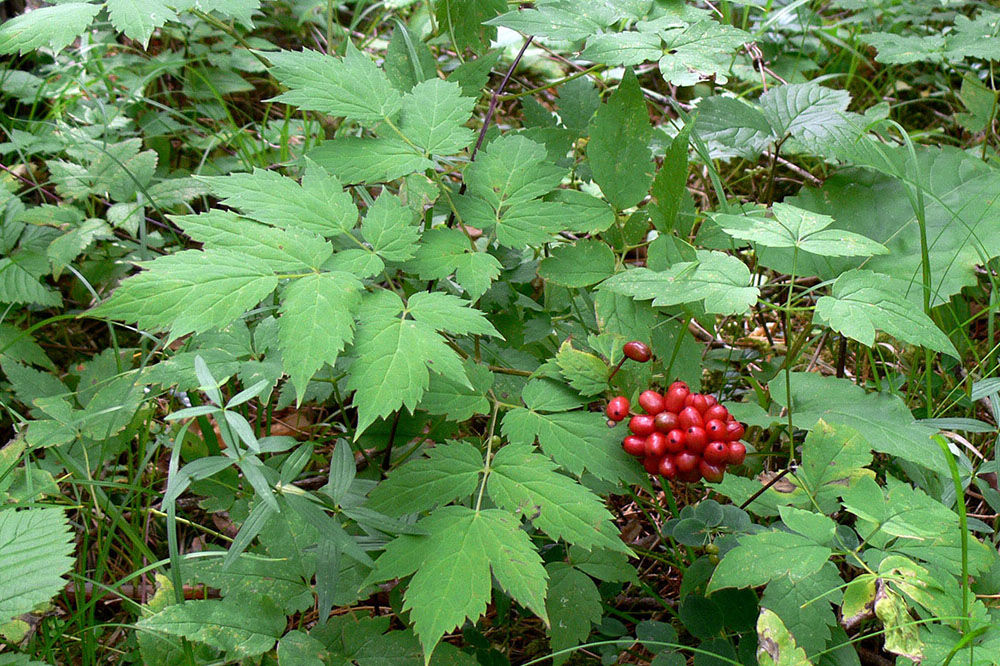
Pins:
x,y
573,604
452,566
776,647
760,558
317,320
445,312
803,110
319,204
20,283
860,304
449,472
698,51
568,22
527,483
434,117
830,455
352,86
191,291
905,49
455,400
805,606
812,525
618,150
67,247
36,550
732,127
240,629
139,20
55,26
623,48
578,265
720,280
607,565
389,230
465,21
512,169
443,252
585,372
369,160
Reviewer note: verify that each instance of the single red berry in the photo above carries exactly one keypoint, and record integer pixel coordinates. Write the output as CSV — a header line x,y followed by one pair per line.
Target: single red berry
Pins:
x,y
710,400
689,399
675,441
675,397
712,473
668,469
715,428
665,421
617,408
686,461
641,424
637,351
656,444
651,401
690,476
651,464
695,439
634,445
718,412
699,402
734,431
716,453
679,385
688,417
737,453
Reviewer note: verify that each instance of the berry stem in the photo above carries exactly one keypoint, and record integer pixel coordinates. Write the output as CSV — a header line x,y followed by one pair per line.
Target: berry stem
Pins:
x,y
617,368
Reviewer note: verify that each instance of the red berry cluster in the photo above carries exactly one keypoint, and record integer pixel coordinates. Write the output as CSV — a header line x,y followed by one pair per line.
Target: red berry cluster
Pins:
x,y
683,435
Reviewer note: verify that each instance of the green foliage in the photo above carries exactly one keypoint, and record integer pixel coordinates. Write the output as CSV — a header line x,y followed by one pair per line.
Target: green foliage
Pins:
x,y
35,554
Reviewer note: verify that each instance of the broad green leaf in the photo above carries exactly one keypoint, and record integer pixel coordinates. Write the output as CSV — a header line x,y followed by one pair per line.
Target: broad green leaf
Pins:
x,y
527,483
63,250
369,160
618,150
452,566
317,320
319,204
573,604
720,280
512,169
607,565
812,525
698,51
904,49
623,48
408,60
113,407
763,557
464,22
830,456
941,597
577,441
585,372
283,250
669,185
805,606
30,384
732,127
803,110
776,647
20,275
578,265
455,400
434,117
901,635
55,27
191,291
253,577
239,628
297,648
389,230
563,21
352,86
443,252
36,550
139,20
860,304
859,600
445,312
548,395
19,345
795,227
583,213
449,472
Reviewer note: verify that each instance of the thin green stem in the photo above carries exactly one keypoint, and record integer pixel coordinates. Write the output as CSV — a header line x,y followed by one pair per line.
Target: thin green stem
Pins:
x,y
489,453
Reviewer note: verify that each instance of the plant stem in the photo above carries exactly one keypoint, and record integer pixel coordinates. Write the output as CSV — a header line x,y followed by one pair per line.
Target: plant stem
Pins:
x,y
489,453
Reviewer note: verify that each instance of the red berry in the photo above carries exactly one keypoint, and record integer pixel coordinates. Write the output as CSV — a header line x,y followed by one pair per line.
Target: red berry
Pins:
x,y
718,412
737,453
637,351
699,402
675,441
716,429
665,421
695,439
675,397
617,408
691,476
689,399
641,424
656,445
634,445
651,464
668,469
712,473
710,400
679,385
688,417
734,431
686,461
716,453
651,401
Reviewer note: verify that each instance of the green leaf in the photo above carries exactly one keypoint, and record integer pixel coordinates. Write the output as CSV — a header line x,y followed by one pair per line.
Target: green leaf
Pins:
x,y
434,117
30,384
319,204
805,606
465,21
579,264
452,566
445,312
369,160
809,524
18,345
901,634
760,558
568,22
720,280
905,49
139,20
191,291
623,48
67,247
512,169
352,86
455,400
573,604
317,320
527,483
36,550
733,127
449,472
776,647
803,110
577,441
830,456
20,275
795,227
585,372
239,628
607,565
252,577
618,149
443,252
55,26
530,223
860,304
299,649
698,51
389,230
